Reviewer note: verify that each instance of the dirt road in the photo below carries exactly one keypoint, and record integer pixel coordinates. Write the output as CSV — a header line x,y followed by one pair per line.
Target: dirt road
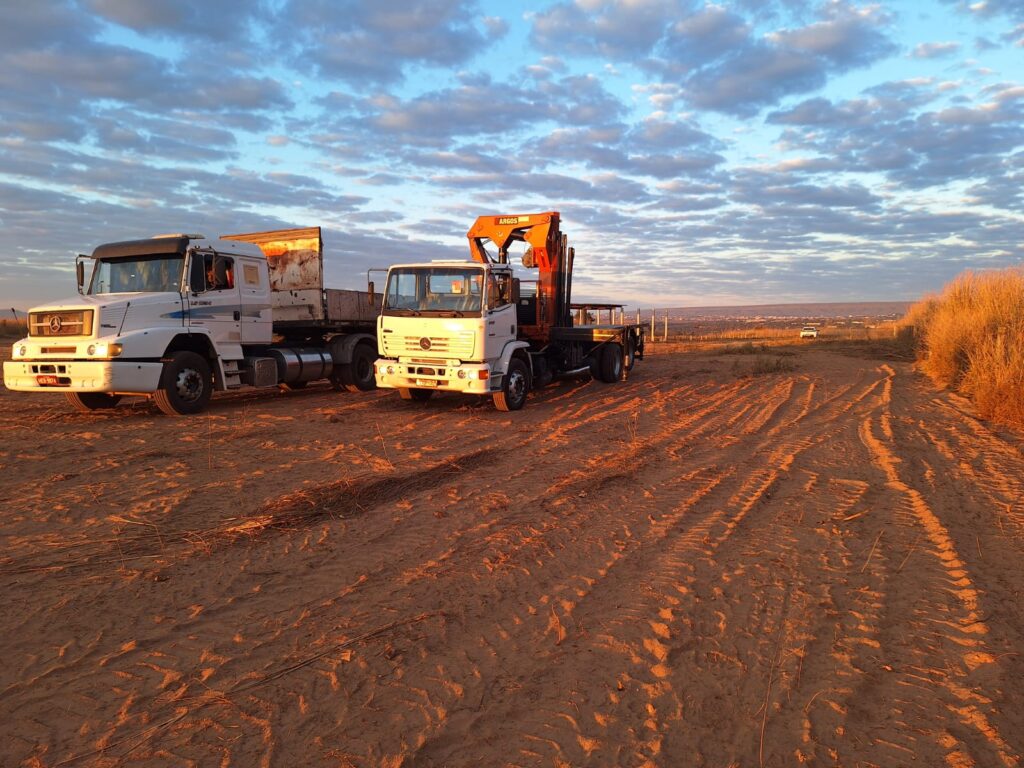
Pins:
x,y
692,568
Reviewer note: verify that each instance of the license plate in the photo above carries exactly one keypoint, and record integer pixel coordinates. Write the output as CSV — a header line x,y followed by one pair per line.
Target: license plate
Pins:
x,y
426,382
47,381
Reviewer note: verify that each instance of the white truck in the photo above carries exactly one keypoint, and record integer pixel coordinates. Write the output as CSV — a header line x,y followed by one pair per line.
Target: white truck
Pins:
x,y
175,317
471,327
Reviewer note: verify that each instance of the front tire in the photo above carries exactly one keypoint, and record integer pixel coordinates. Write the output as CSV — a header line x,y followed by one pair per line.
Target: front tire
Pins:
x,y
185,386
87,402
419,395
515,386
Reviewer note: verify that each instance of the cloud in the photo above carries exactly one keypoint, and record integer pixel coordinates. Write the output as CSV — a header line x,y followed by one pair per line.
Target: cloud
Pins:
x,y
373,43
712,54
789,61
917,150
990,8
478,108
935,50
657,148
616,29
211,19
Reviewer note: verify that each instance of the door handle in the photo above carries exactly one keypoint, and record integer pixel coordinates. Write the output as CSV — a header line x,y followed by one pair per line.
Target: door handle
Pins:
x,y
238,315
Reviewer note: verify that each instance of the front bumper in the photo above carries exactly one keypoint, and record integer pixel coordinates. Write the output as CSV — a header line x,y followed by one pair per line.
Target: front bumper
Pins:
x,y
122,376
445,376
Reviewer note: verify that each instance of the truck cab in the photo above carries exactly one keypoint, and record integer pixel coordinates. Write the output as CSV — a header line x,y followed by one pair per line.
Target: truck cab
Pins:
x,y
451,325
141,301
176,316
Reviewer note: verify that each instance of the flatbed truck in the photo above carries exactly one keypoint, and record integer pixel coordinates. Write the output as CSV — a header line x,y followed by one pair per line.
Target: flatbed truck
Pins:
x,y
474,327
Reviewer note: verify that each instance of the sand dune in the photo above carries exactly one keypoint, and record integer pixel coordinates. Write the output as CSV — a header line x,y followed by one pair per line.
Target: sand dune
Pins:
x,y
694,567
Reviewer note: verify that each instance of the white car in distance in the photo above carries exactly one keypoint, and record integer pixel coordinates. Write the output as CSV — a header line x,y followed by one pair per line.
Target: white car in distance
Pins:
x,y
808,332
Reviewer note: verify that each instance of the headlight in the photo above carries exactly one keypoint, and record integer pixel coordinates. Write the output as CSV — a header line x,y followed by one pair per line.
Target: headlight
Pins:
x,y
462,373
22,351
391,369
104,349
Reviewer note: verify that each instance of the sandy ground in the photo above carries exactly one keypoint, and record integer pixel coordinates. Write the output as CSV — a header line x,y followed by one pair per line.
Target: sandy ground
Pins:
x,y
690,568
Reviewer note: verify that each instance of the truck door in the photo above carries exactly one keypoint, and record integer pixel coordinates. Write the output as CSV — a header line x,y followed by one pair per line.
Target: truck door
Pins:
x,y
499,315
257,315
214,299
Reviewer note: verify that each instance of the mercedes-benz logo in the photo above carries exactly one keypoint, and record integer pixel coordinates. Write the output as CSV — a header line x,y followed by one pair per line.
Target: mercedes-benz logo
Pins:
x,y
55,324
424,343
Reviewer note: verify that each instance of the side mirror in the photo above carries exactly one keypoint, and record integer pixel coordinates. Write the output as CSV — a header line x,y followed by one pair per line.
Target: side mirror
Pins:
x,y
372,298
80,271
197,275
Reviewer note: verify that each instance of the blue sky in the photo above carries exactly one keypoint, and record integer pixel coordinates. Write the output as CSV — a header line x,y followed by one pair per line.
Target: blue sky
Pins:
x,y
700,154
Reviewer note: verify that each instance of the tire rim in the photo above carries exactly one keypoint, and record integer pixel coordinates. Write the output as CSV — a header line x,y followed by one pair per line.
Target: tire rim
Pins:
x,y
189,385
516,386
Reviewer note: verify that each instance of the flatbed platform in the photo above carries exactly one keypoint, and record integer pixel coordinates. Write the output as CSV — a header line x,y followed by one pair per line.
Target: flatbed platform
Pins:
x,y
592,332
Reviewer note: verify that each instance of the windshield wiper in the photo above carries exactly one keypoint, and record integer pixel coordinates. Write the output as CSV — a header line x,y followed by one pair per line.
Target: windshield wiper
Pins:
x,y
404,312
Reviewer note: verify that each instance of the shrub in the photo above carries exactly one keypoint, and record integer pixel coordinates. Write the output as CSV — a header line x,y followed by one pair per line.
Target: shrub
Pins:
x,y
763,365
971,338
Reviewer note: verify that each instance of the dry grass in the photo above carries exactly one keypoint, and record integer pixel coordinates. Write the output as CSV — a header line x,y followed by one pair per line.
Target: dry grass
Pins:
x,y
11,328
764,364
882,330
972,338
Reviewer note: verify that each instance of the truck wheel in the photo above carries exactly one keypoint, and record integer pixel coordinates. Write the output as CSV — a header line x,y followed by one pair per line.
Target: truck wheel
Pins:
x,y
91,401
185,386
515,386
419,395
611,363
358,376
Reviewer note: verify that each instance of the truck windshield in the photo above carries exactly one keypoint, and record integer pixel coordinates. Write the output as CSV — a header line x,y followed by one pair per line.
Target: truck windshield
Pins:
x,y
132,274
455,291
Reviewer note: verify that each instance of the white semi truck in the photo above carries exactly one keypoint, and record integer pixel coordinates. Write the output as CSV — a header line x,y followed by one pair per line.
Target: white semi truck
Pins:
x,y
474,327
175,317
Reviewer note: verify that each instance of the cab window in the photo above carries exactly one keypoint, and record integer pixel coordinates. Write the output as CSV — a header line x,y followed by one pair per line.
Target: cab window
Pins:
x,y
220,272
499,290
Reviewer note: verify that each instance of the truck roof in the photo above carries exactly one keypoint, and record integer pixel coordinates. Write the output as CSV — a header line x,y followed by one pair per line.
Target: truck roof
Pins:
x,y
177,244
447,263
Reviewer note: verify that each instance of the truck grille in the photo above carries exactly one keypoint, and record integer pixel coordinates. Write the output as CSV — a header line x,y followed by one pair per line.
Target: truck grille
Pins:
x,y
76,322
458,346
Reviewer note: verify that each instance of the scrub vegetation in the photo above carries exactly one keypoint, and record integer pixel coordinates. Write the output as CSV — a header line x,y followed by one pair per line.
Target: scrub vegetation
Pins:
x,y
971,338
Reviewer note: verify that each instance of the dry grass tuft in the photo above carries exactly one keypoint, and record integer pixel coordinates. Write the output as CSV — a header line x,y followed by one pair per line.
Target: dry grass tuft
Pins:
x,y
14,329
763,364
971,338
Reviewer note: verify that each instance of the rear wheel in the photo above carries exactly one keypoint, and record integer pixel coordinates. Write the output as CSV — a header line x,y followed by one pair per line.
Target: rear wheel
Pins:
x,y
515,386
419,395
611,363
185,386
86,402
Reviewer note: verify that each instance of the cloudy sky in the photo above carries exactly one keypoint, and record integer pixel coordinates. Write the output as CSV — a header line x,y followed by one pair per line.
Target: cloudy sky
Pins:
x,y
700,154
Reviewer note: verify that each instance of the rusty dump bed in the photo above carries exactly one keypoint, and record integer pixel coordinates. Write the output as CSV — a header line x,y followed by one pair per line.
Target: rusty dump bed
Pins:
x,y
295,260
